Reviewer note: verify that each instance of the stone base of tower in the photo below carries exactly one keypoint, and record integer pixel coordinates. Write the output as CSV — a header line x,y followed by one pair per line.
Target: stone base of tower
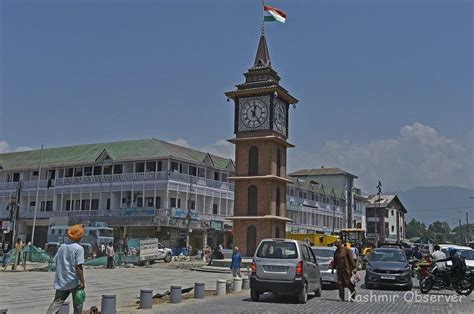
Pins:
x,y
249,231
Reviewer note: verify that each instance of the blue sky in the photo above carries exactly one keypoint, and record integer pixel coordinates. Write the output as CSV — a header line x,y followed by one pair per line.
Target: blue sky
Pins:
x,y
374,78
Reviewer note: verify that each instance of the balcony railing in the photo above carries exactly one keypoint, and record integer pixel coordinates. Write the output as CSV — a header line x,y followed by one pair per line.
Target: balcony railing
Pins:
x,y
126,177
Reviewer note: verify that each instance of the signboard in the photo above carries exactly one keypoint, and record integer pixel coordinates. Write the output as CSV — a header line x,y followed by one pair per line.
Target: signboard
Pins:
x,y
148,249
137,211
216,225
6,225
182,213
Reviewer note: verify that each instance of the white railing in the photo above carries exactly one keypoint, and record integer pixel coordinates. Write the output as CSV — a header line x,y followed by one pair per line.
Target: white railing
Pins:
x,y
8,185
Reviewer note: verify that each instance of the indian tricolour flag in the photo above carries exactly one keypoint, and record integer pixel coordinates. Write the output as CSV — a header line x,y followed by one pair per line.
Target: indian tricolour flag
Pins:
x,y
275,14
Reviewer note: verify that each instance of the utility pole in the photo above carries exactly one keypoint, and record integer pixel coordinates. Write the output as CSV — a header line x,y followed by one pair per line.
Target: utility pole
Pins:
x,y
379,193
460,230
37,199
468,232
188,215
16,215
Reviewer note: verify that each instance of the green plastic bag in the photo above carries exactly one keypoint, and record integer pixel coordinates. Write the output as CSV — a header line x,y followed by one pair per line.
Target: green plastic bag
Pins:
x,y
79,296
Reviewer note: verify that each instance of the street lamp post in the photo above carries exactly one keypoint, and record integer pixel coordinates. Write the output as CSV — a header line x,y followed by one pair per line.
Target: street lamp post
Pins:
x,y
379,193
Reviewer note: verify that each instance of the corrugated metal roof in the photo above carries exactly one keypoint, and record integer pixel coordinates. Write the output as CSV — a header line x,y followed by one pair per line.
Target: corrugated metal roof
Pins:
x,y
118,151
321,172
385,200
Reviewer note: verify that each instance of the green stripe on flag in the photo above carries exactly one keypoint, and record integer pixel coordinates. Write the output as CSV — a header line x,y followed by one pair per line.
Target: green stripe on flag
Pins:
x,y
269,19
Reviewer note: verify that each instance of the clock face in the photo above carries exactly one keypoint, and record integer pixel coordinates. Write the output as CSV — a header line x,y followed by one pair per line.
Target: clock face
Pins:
x,y
253,114
279,116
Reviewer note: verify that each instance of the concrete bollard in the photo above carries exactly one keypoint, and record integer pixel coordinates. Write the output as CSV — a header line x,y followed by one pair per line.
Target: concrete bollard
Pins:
x,y
3,311
146,299
64,309
199,290
245,283
237,284
221,286
175,294
109,304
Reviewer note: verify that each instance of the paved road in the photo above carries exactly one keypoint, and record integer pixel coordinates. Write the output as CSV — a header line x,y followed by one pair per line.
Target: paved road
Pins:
x,y
383,301
31,292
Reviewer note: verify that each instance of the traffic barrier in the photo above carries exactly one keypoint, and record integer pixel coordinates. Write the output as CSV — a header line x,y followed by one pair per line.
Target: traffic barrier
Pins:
x,y
199,290
64,309
237,284
245,283
108,304
146,298
175,294
221,286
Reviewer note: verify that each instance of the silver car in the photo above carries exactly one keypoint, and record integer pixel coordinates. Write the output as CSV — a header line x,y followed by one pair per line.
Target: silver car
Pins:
x,y
286,267
325,256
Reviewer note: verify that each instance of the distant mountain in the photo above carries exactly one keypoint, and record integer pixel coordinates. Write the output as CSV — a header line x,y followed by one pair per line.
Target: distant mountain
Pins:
x,y
444,203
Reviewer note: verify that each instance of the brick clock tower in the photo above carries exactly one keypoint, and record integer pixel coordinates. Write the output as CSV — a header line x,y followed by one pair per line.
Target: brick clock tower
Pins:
x,y
261,129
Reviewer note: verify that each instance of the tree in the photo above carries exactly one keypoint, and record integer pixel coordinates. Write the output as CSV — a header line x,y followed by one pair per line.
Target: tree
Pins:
x,y
439,231
416,228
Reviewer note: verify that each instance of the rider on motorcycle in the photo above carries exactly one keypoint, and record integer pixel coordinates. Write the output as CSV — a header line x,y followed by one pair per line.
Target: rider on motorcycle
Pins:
x,y
459,265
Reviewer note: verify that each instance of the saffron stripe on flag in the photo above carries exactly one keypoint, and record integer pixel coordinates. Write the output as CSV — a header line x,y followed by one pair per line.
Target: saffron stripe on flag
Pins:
x,y
269,8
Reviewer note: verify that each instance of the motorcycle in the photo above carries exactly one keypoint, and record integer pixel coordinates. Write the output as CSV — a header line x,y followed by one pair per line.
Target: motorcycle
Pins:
x,y
442,280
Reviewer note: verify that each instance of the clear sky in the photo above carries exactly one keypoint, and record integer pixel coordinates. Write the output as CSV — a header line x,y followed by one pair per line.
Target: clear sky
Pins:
x,y
385,87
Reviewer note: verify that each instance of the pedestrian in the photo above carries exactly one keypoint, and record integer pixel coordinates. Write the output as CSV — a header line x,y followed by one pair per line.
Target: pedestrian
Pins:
x,y
110,255
6,250
345,266
95,250
69,278
18,251
236,263
102,250
125,244
354,254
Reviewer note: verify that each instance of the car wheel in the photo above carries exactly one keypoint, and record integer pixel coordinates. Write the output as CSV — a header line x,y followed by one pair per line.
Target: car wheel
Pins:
x,y
303,294
168,258
319,291
254,295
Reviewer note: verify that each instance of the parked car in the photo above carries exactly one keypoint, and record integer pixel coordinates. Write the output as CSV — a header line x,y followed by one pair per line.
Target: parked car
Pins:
x,y
324,257
285,266
388,267
464,251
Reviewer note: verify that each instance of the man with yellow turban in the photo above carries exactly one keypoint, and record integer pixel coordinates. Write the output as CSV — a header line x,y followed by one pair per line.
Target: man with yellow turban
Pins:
x,y
69,273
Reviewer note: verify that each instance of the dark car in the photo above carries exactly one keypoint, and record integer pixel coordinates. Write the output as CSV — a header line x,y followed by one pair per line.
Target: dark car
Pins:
x,y
388,267
324,256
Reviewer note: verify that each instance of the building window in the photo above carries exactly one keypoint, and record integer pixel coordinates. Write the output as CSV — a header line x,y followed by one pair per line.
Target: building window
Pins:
x,y
385,213
173,202
97,170
108,203
69,172
251,240
32,204
68,205
277,232
252,201
35,173
107,170
95,204
78,172
140,202
277,201
150,166
159,166
216,176
392,213
278,163
201,173
85,204
215,210
253,161
192,170
158,202
139,167
192,204
393,229
174,166
118,169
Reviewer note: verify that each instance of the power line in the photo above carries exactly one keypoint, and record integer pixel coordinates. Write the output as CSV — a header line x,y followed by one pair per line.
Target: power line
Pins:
x,y
444,208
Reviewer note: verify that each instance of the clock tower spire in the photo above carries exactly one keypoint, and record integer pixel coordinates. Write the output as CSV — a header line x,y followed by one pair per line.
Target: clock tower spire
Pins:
x,y
261,129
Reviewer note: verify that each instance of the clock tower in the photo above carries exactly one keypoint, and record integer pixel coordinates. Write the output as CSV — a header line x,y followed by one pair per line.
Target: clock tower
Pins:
x,y
261,132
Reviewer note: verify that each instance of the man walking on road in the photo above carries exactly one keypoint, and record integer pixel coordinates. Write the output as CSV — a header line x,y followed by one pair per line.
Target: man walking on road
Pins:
x,y
236,263
6,250
345,266
69,273
110,255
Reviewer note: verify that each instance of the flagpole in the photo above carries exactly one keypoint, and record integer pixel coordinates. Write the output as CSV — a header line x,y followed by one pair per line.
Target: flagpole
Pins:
x,y
37,196
263,17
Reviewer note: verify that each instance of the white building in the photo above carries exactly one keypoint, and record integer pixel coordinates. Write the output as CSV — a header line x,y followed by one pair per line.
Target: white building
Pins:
x,y
141,188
